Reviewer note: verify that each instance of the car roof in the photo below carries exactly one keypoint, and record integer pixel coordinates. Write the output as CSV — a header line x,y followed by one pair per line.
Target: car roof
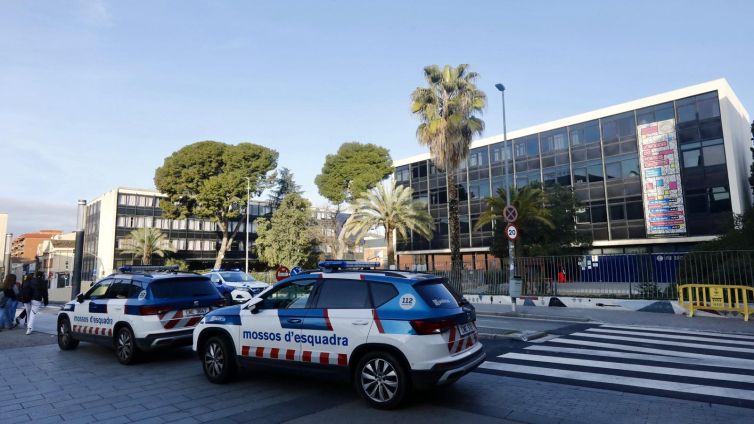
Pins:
x,y
155,275
405,277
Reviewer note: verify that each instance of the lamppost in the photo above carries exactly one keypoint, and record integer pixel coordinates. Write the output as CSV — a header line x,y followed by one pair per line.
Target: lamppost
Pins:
x,y
78,255
511,269
246,228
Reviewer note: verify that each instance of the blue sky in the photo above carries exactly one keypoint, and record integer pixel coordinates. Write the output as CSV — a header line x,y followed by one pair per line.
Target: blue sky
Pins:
x,y
95,94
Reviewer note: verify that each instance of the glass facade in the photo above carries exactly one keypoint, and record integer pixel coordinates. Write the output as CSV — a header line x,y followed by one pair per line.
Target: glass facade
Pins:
x,y
600,160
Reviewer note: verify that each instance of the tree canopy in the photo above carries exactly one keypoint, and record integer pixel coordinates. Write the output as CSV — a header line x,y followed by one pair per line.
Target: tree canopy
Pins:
x,y
208,179
284,184
353,170
287,238
147,242
447,110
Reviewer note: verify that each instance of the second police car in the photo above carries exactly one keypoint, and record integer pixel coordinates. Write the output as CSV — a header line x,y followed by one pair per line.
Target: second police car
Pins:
x,y
138,309
389,330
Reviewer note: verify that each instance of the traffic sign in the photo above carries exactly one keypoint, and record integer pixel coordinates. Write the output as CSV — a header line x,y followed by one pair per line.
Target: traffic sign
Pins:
x,y
282,273
510,213
511,232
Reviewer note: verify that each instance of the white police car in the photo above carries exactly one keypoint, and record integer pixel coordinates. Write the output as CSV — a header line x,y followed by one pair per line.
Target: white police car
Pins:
x,y
138,309
245,286
389,330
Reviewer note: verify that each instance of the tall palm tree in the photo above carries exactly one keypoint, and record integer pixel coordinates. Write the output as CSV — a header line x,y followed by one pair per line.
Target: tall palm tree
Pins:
x,y
146,242
391,208
530,202
447,109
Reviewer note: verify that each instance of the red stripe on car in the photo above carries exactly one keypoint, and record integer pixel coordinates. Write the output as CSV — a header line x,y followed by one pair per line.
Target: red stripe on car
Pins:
x,y
327,319
342,359
324,358
274,353
260,352
307,357
245,350
290,354
377,321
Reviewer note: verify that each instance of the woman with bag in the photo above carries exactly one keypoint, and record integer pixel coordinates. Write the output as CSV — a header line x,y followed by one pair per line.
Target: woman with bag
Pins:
x,y
8,302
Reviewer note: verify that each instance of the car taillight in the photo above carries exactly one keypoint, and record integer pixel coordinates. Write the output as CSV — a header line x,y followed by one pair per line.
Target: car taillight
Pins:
x,y
154,310
437,326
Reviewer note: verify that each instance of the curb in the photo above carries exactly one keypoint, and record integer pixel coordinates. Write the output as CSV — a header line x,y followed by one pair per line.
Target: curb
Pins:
x,y
516,335
533,316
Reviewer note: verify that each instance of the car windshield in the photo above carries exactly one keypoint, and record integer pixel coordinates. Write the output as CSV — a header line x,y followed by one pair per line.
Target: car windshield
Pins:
x,y
237,277
183,287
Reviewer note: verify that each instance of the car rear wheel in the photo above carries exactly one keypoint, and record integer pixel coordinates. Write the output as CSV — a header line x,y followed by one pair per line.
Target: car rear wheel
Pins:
x,y
218,360
65,336
381,380
125,346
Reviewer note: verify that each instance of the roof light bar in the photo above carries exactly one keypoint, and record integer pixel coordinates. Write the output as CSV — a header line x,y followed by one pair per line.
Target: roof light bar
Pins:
x,y
344,264
148,268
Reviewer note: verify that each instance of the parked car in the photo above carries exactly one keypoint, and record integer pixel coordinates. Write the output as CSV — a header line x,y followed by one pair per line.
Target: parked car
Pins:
x,y
246,286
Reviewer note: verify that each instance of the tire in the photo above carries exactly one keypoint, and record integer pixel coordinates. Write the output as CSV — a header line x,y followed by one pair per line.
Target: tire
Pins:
x,y
219,360
125,346
381,380
65,336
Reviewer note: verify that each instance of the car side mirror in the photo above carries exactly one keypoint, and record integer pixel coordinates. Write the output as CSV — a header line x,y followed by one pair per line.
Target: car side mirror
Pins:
x,y
80,298
253,303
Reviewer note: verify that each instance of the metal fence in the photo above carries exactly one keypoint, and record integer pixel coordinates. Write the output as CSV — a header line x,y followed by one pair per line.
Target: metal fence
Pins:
x,y
631,276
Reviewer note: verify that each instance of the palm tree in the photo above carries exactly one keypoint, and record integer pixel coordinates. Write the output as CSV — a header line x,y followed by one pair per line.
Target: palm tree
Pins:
x,y
146,242
391,208
447,109
530,202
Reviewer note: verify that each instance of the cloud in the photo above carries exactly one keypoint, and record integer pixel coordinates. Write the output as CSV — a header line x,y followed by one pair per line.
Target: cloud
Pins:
x,y
94,12
26,216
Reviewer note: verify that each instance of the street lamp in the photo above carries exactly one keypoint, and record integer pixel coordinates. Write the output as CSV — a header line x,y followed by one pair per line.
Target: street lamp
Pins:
x,y
246,245
511,272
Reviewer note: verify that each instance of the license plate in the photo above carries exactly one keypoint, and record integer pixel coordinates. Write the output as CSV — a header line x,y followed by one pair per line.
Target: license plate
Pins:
x,y
466,329
195,311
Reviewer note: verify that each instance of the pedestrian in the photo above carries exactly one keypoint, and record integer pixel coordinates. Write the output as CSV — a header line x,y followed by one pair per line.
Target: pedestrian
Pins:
x,y
24,297
37,293
561,275
8,302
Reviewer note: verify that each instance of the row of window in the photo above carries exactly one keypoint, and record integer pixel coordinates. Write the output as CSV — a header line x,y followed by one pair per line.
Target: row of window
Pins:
x,y
175,224
139,201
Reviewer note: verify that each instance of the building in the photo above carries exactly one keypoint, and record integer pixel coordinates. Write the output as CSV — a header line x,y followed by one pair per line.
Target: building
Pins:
x,y
111,217
24,247
55,260
657,174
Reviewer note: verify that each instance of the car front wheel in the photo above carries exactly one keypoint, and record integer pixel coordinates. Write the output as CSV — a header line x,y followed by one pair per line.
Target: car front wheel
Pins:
x,y
381,380
65,336
218,360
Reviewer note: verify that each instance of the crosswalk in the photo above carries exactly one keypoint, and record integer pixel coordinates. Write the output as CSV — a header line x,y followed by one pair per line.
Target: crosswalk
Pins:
x,y
698,365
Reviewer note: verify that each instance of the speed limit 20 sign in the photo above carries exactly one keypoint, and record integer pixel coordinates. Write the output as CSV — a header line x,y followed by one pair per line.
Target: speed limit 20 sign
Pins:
x,y
511,232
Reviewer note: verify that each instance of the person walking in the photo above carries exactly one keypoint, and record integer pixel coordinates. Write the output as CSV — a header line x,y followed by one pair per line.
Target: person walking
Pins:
x,y
38,295
9,302
25,299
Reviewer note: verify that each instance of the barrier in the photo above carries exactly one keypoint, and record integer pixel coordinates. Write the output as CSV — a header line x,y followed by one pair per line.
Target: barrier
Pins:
x,y
728,298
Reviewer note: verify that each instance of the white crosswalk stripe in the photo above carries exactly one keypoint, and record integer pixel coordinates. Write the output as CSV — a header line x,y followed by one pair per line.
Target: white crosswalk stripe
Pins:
x,y
708,366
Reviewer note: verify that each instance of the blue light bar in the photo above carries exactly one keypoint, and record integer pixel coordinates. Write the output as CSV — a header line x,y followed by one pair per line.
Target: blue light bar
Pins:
x,y
148,268
344,264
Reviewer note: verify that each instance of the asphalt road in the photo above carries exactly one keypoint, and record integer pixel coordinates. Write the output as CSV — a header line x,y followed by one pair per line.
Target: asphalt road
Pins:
x,y
582,372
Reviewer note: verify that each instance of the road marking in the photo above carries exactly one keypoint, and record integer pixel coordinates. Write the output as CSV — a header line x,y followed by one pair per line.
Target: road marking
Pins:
x,y
706,346
709,375
670,336
689,332
672,386
740,363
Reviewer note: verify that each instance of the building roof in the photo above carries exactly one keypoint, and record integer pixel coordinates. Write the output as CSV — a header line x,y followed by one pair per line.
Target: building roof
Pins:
x,y
63,244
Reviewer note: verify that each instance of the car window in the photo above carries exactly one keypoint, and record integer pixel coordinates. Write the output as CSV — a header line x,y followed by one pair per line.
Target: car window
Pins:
x,y
294,295
215,278
99,290
237,277
135,289
339,293
382,293
436,294
172,288
119,289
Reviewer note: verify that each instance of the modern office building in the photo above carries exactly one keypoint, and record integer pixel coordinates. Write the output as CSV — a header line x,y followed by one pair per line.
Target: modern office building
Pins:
x,y
657,174
111,217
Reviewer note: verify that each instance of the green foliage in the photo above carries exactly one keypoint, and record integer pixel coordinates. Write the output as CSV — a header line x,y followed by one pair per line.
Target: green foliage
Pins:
x,y
447,110
145,243
391,208
182,265
546,222
353,170
287,239
208,179
284,184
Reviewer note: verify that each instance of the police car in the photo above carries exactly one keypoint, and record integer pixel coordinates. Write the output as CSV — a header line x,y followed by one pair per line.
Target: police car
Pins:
x,y
390,330
244,285
138,309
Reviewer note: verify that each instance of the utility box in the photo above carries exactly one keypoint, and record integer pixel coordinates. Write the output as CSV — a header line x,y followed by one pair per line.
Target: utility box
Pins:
x,y
514,288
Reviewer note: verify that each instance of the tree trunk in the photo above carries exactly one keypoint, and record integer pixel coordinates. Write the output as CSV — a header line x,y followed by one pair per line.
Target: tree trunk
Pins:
x,y
454,228
223,245
390,250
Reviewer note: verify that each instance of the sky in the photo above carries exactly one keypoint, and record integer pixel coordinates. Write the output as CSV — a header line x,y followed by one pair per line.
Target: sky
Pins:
x,y
95,94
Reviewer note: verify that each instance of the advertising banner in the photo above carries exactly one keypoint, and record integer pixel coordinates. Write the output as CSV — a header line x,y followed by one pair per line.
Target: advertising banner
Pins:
x,y
664,211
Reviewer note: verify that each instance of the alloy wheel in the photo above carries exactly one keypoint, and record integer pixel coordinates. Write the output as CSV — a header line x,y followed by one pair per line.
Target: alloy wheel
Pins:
x,y
214,359
379,380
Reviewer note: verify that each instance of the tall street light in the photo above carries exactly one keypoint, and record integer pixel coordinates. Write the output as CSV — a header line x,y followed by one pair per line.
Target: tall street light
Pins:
x,y
511,272
246,246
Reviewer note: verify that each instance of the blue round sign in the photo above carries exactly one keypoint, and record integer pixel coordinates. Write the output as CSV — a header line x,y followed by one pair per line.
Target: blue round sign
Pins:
x,y
296,270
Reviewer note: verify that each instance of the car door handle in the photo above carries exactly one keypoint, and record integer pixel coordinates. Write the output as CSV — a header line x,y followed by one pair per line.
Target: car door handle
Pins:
x,y
294,320
360,322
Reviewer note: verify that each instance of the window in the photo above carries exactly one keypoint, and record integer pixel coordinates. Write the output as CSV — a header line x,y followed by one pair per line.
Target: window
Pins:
x,y
382,293
618,127
579,175
479,189
634,210
338,293
119,289
612,170
419,170
478,158
401,174
294,295
692,158
436,295
630,168
99,290
719,199
599,214
595,173
497,153
174,288
617,212
713,155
